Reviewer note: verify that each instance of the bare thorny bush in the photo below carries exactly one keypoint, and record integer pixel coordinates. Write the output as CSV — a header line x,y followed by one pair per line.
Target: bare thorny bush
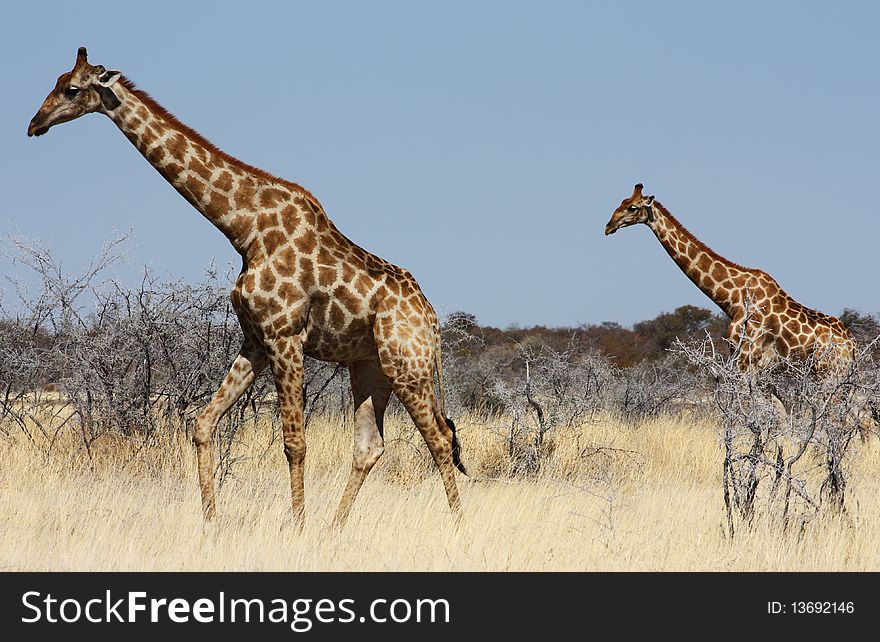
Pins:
x,y
83,351
555,391
786,431
531,391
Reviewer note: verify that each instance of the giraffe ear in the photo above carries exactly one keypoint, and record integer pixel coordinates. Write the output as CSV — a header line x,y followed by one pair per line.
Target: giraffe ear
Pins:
x,y
108,78
102,86
650,200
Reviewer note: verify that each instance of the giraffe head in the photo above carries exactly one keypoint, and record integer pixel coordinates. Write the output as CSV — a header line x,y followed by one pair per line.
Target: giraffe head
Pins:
x,y
638,208
82,90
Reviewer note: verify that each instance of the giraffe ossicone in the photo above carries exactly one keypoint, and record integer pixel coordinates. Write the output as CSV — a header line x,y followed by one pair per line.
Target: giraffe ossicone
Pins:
x,y
304,290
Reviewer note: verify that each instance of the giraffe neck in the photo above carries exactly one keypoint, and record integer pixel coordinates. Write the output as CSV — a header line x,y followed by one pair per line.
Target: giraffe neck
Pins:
x,y
712,273
226,191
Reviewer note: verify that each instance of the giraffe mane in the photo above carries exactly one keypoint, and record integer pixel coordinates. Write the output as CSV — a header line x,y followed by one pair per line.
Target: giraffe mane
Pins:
x,y
712,253
812,314
188,131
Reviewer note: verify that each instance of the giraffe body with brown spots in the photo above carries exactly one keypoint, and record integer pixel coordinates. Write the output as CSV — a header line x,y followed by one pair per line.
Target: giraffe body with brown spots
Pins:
x,y
766,322
304,290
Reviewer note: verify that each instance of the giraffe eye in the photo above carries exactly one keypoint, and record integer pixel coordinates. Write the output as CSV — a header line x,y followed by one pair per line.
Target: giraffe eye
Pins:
x,y
633,208
71,91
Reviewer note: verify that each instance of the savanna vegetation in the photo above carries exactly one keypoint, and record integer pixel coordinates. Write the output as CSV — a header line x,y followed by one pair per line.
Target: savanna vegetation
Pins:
x,y
598,447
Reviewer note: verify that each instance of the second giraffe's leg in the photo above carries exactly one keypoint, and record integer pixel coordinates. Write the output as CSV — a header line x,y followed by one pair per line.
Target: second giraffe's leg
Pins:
x,y
286,358
869,420
370,390
247,365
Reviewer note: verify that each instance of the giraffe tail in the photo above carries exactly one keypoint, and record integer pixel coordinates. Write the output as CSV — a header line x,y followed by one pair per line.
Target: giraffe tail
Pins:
x,y
456,446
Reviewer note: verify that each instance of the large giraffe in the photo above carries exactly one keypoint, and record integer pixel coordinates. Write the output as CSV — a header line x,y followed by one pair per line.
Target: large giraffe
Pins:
x,y
304,289
773,324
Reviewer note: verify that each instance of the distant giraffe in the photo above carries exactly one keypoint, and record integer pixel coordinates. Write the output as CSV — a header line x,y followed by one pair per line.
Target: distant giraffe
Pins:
x,y
757,306
304,289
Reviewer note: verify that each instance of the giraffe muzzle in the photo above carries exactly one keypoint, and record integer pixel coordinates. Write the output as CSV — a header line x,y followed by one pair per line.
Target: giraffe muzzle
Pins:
x,y
35,128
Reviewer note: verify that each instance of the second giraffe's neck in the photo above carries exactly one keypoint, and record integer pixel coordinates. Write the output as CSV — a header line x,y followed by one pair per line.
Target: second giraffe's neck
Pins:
x,y
227,192
708,271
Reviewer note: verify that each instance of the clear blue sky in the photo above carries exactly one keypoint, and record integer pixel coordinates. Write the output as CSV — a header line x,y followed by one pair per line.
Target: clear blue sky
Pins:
x,y
482,145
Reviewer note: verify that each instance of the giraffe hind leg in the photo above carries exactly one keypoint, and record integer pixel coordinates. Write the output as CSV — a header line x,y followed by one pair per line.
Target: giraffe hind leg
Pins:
x,y
416,392
420,404
406,355
868,417
371,392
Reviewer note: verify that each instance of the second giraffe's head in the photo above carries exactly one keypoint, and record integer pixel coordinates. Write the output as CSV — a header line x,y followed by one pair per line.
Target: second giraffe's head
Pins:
x,y
638,208
82,90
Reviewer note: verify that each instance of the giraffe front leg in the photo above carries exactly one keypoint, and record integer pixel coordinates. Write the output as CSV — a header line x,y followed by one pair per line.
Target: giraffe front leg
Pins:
x,y
244,369
286,359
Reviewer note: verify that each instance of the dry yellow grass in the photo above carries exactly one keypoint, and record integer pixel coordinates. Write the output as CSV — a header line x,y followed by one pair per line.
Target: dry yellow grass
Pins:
x,y
131,508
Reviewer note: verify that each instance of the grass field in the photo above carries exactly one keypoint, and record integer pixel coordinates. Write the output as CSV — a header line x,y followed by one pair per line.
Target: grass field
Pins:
x,y
654,503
